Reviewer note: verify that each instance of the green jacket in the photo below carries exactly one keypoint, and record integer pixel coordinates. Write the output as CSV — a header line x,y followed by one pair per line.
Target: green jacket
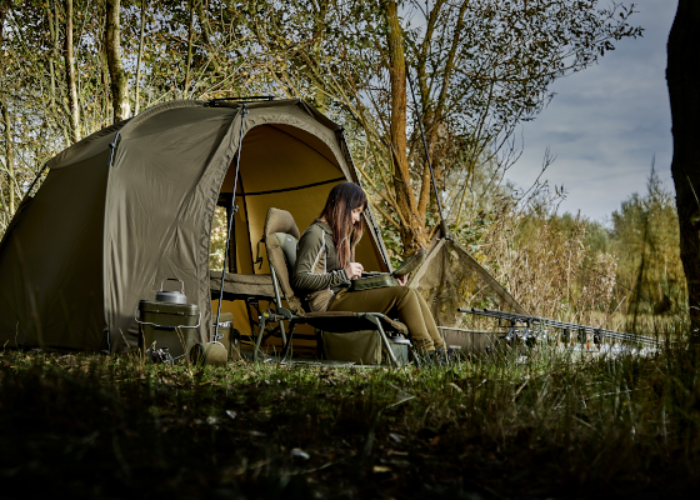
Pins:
x,y
317,268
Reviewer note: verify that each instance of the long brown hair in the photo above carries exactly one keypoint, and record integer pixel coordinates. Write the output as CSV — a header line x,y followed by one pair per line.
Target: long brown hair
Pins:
x,y
342,200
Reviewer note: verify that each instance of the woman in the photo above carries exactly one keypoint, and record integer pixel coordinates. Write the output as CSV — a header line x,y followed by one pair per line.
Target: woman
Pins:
x,y
325,265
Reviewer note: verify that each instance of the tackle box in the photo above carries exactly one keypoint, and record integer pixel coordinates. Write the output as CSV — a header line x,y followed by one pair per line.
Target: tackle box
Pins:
x,y
168,325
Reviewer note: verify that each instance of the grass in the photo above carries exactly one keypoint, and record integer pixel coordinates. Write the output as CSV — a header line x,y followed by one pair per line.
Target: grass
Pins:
x,y
503,426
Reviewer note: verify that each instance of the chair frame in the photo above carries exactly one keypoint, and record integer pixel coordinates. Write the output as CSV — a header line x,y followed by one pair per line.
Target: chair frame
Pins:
x,y
282,314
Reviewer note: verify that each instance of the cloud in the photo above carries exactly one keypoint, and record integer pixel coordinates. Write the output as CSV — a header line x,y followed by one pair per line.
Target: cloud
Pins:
x,y
608,122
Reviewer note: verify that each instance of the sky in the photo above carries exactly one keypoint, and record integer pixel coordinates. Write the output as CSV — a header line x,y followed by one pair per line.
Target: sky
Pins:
x,y
607,123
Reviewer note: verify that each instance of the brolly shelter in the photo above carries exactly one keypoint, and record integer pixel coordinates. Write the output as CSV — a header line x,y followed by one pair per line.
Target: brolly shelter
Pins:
x,y
134,203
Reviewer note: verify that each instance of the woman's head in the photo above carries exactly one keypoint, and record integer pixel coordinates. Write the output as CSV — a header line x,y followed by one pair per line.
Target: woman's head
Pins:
x,y
343,211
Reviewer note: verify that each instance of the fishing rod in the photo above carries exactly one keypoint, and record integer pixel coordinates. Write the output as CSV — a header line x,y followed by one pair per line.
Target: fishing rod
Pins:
x,y
443,221
583,330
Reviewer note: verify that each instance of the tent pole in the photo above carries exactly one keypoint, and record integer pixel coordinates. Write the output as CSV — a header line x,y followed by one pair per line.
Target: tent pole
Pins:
x,y
37,178
244,111
28,193
443,222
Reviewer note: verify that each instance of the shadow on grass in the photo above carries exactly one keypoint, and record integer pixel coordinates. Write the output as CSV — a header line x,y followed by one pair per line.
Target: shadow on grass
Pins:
x,y
503,427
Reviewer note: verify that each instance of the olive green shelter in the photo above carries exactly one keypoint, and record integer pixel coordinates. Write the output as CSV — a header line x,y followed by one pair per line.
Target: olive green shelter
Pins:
x,y
133,204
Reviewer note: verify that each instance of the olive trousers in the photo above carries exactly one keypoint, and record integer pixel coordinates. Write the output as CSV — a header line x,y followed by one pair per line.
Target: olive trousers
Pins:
x,y
394,301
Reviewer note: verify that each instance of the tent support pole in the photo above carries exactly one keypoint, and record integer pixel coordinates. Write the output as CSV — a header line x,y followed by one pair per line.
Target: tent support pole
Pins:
x,y
37,178
28,193
443,222
244,111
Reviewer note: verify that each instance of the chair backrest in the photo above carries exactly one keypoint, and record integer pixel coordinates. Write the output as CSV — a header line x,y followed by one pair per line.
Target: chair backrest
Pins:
x,y
281,236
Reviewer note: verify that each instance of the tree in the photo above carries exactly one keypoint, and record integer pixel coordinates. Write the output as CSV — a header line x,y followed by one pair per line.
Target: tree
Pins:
x,y
142,27
646,240
70,74
482,67
414,225
8,165
682,75
119,81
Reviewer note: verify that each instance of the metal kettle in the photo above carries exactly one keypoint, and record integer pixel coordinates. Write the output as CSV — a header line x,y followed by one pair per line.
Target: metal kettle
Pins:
x,y
172,296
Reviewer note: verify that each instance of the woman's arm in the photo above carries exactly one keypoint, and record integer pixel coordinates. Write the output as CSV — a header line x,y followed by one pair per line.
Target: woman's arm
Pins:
x,y
310,274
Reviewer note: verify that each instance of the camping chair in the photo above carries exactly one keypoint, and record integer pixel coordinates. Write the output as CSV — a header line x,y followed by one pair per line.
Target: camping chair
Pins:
x,y
281,236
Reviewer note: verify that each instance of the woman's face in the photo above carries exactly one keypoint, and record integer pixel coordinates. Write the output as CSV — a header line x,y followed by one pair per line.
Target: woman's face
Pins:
x,y
356,214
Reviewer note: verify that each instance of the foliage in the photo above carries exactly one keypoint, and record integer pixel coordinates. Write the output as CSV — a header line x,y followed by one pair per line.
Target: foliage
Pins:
x,y
570,268
551,427
217,246
33,79
646,231
482,67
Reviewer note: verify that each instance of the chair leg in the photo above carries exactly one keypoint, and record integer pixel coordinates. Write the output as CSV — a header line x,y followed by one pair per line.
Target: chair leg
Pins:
x,y
385,340
288,343
261,332
320,351
282,333
278,300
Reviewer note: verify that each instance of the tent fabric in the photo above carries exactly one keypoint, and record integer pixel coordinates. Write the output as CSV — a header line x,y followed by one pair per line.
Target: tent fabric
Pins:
x,y
362,347
51,285
450,278
134,203
243,285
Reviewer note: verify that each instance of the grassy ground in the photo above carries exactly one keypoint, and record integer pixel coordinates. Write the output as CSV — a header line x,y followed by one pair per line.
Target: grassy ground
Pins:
x,y
500,427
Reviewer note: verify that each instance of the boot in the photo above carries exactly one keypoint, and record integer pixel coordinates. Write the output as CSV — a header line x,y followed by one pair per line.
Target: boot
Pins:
x,y
437,357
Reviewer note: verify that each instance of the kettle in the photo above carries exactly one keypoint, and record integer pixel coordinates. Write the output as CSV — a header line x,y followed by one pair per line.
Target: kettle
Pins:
x,y
172,296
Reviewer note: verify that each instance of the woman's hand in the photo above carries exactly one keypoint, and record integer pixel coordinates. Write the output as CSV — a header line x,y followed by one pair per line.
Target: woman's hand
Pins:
x,y
354,270
403,279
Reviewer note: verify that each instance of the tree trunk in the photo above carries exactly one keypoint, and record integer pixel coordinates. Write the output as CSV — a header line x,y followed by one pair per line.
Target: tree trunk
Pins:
x,y
435,116
104,68
8,144
207,35
682,75
318,37
70,75
138,60
119,83
54,29
413,235
190,40
9,160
